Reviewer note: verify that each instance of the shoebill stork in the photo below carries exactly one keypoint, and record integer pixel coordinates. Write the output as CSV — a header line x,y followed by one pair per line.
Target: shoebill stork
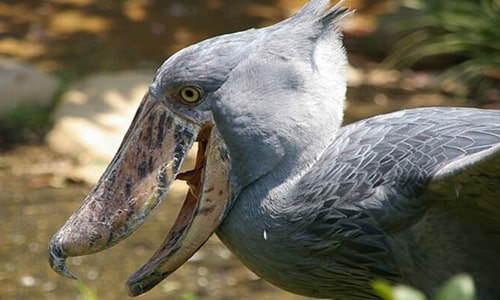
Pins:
x,y
315,208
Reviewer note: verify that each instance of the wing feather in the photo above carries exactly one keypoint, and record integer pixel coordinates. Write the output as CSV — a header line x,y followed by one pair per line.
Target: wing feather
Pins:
x,y
403,176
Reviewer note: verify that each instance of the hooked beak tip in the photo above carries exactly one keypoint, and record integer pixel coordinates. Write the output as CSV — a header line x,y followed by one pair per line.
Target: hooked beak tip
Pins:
x,y
57,259
135,289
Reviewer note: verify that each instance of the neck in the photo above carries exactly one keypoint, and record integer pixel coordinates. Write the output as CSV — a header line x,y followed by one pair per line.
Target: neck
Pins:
x,y
268,164
258,225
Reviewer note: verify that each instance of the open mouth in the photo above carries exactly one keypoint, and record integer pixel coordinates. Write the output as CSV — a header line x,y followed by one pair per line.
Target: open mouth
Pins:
x,y
137,180
193,177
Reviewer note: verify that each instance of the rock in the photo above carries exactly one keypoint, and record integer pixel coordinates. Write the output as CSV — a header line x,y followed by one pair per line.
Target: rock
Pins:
x,y
22,84
93,117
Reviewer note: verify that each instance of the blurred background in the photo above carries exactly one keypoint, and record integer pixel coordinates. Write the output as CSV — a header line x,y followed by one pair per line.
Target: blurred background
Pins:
x,y
72,73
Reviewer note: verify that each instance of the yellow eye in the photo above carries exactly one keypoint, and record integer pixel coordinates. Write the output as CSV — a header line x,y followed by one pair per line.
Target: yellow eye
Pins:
x,y
190,94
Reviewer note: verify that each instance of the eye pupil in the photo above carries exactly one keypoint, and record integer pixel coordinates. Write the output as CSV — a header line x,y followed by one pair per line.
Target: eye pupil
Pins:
x,y
189,93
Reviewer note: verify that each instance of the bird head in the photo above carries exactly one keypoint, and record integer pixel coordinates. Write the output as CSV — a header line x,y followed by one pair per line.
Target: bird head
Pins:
x,y
251,100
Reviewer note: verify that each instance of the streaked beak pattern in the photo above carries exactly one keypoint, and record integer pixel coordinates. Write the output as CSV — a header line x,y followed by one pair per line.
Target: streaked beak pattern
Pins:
x,y
137,180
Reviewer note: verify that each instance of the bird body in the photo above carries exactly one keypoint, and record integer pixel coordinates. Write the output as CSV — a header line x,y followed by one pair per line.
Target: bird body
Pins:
x,y
392,197
315,208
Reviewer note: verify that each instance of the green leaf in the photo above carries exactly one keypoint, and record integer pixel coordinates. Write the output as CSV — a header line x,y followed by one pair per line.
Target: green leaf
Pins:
x,y
398,292
403,292
467,29
459,287
86,292
188,296
383,289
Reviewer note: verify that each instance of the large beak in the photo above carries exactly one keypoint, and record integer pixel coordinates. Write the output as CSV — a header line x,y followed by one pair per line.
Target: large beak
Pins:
x,y
137,180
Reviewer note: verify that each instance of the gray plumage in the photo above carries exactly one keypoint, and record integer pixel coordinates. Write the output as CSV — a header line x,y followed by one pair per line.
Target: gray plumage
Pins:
x,y
409,197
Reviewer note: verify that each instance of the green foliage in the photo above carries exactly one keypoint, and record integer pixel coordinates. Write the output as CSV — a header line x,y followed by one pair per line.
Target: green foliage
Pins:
x,y
398,292
24,124
86,292
459,287
188,296
468,29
